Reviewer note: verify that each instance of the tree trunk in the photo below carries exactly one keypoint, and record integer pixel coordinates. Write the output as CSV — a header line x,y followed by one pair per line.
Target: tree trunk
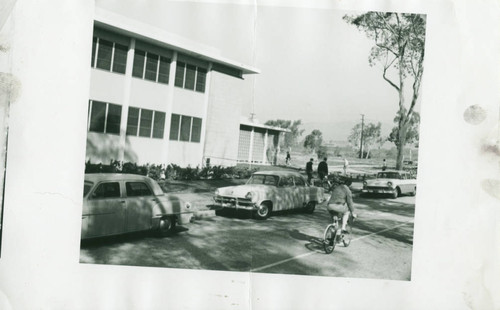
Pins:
x,y
401,145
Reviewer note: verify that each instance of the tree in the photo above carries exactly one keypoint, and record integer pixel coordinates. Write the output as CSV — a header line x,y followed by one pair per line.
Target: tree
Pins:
x,y
314,140
399,48
371,137
291,137
412,134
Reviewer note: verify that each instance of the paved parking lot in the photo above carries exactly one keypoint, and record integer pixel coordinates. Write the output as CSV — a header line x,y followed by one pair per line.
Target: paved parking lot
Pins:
x,y
287,243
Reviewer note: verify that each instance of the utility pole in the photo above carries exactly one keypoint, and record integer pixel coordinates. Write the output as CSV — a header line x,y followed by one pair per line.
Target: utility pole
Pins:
x,y
361,140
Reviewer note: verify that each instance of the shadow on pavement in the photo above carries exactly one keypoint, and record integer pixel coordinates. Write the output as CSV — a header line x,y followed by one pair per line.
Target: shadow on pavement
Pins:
x,y
129,237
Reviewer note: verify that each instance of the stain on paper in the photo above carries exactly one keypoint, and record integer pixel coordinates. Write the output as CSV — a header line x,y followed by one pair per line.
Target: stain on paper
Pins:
x,y
475,114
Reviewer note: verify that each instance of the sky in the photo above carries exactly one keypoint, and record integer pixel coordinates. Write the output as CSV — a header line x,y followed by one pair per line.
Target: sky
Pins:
x,y
313,65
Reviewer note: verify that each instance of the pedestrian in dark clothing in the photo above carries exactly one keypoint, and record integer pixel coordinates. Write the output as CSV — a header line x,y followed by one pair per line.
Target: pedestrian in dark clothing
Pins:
x,y
309,170
384,165
288,158
323,169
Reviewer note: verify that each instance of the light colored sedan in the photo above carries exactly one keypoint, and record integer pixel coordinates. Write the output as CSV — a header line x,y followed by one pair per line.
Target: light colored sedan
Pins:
x,y
121,203
394,183
269,191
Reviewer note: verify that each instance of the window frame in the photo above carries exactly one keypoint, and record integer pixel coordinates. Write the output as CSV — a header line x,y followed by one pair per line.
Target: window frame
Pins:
x,y
106,115
95,55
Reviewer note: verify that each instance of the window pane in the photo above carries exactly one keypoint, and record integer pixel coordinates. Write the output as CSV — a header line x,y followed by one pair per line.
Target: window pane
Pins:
x,y
179,74
164,73
185,128
135,189
97,116
107,190
138,64
151,67
132,121
190,76
114,118
120,58
94,43
104,54
174,127
200,80
146,120
196,132
159,125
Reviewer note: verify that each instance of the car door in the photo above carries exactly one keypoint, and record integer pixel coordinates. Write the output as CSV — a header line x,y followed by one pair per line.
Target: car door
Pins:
x,y
140,201
285,194
301,192
105,213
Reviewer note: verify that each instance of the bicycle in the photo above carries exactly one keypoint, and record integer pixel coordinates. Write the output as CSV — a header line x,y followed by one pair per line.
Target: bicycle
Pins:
x,y
333,234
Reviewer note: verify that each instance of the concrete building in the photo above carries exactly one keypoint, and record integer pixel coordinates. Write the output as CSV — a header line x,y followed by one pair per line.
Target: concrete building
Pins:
x,y
158,98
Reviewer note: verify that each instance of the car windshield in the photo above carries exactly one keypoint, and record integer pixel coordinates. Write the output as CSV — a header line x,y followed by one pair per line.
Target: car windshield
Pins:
x,y
263,179
86,188
388,175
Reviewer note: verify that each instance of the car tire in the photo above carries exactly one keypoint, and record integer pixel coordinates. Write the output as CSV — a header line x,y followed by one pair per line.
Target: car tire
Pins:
x,y
166,226
264,211
311,205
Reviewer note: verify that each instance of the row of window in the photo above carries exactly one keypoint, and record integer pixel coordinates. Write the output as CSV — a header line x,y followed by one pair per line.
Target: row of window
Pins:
x,y
106,118
185,128
150,66
109,55
112,56
112,190
190,77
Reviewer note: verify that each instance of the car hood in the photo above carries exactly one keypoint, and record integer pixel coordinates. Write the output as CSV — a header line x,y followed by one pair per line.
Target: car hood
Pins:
x,y
242,190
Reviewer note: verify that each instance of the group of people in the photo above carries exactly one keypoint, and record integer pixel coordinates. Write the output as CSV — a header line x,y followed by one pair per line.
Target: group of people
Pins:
x,y
340,202
322,169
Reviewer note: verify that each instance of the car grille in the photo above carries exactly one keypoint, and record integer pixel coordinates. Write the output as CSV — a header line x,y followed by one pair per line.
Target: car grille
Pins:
x,y
233,201
379,188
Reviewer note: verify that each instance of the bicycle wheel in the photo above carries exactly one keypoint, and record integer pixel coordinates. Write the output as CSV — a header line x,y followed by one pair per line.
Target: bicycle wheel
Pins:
x,y
329,239
346,240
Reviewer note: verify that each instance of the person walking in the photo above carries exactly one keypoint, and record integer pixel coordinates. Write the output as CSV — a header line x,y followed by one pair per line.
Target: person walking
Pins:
x,y
346,165
384,165
288,158
309,170
323,169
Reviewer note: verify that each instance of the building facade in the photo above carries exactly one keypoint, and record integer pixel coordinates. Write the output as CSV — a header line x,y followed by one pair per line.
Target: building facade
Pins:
x,y
150,96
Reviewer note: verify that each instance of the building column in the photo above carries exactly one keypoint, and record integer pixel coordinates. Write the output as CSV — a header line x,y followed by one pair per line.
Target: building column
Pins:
x,y
264,155
204,118
126,100
168,108
250,152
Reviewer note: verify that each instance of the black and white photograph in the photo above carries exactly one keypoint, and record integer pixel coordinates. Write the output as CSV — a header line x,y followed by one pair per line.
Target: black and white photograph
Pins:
x,y
287,148
271,154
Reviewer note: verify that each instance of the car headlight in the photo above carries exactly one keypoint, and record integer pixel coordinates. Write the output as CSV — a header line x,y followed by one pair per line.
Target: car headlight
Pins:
x,y
216,192
251,196
389,184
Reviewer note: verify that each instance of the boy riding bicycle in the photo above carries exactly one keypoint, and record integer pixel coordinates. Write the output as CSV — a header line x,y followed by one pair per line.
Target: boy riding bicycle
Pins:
x,y
341,203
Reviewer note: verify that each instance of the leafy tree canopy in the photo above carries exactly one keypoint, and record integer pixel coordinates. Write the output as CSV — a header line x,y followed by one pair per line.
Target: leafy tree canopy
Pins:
x,y
291,137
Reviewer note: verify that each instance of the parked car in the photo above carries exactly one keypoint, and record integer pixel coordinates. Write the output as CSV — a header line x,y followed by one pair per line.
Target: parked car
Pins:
x,y
120,203
394,183
269,191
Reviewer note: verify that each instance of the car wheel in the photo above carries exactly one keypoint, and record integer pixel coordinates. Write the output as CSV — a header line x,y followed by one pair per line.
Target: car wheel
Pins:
x,y
166,226
311,205
263,211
